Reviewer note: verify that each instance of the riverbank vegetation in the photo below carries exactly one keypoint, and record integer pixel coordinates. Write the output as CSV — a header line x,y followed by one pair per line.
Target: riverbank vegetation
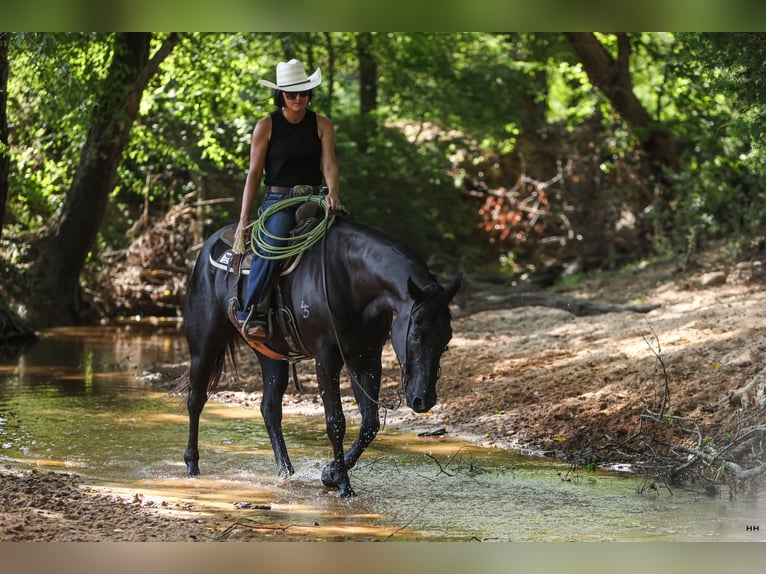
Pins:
x,y
517,152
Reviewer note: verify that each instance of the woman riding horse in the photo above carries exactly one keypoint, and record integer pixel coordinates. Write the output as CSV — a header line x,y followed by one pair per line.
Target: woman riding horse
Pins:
x,y
289,146
352,291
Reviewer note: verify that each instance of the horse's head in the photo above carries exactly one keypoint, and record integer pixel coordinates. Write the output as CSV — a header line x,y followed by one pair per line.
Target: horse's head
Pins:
x,y
419,339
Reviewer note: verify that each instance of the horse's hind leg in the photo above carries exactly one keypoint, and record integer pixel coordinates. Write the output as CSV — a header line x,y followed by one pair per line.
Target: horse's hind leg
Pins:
x,y
200,373
275,379
206,365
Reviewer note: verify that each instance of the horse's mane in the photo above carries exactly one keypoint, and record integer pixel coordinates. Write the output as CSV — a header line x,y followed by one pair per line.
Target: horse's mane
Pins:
x,y
417,267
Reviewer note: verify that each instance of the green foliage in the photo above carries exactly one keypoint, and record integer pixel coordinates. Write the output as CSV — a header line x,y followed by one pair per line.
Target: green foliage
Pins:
x,y
719,199
716,105
733,68
403,188
52,77
451,108
195,124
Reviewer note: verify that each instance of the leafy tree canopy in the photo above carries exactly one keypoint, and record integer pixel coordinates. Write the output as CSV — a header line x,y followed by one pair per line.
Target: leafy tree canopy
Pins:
x,y
457,116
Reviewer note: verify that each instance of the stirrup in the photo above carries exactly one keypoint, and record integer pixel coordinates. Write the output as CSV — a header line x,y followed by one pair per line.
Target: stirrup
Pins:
x,y
248,323
233,309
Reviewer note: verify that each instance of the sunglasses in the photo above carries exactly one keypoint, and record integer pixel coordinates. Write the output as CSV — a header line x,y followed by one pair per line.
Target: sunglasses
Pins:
x,y
293,95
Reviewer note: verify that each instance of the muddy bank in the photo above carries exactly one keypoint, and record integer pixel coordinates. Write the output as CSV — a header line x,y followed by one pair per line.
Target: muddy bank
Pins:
x,y
42,506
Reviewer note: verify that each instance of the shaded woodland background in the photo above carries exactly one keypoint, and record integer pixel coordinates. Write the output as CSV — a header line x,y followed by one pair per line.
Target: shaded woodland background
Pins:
x,y
521,157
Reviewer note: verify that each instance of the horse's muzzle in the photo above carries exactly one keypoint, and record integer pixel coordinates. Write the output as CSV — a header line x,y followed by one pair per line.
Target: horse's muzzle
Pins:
x,y
421,404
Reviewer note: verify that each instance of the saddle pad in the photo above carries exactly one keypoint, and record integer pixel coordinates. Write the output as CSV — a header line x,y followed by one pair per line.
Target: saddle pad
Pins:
x,y
222,256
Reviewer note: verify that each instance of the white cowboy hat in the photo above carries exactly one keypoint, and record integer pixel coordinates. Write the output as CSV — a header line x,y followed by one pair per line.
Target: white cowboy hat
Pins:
x,y
291,77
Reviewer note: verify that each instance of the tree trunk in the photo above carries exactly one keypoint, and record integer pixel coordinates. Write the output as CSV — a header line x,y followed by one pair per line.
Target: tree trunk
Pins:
x,y
368,87
14,334
5,160
64,251
330,46
612,77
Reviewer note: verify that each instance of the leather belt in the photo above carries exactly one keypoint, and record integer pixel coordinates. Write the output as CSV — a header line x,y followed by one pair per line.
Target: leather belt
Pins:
x,y
278,189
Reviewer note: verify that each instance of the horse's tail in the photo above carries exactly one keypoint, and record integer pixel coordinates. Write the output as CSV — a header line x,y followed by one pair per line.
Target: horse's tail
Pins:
x,y
182,385
231,350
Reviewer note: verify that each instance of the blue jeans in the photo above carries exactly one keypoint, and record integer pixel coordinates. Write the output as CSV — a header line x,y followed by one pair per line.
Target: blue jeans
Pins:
x,y
279,223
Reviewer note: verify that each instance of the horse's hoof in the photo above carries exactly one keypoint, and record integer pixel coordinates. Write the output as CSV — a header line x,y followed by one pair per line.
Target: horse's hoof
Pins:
x,y
328,476
331,478
346,491
192,470
286,472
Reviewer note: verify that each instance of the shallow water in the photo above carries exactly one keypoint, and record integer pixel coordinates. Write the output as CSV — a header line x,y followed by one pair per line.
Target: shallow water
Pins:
x,y
77,402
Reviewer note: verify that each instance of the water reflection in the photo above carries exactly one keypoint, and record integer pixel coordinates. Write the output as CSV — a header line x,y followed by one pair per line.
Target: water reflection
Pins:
x,y
77,401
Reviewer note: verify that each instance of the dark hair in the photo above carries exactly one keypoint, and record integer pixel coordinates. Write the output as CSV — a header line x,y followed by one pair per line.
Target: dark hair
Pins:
x,y
278,100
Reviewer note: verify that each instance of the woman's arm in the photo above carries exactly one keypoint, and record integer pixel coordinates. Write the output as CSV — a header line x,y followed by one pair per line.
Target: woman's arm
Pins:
x,y
329,165
258,147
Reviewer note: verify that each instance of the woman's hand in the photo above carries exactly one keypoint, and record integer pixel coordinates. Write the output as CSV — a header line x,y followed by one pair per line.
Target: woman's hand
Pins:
x,y
334,201
239,240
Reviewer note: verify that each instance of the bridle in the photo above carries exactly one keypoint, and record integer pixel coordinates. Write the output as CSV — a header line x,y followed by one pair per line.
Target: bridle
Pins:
x,y
406,367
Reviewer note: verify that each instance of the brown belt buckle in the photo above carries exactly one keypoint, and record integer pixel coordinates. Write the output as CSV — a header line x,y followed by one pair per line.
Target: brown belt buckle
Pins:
x,y
301,190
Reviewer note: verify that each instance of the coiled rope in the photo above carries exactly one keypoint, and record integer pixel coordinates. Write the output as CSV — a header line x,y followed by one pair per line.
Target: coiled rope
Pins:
x,y
295,244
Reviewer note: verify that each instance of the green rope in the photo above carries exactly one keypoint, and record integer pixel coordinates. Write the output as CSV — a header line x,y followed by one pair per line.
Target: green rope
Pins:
x,y
300,242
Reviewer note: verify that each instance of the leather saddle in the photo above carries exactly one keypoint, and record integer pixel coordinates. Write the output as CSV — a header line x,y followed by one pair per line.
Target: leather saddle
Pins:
x,y
281,317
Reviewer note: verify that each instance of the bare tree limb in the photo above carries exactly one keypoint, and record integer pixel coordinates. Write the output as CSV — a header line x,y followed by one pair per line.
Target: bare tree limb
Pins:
x,y
751,392
578,307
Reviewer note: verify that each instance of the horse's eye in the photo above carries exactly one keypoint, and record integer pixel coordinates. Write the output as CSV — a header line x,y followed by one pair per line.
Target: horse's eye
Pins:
x,y
446,348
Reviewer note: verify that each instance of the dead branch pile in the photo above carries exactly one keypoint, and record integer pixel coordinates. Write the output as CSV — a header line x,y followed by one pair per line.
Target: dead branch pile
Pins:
x,y
677,450
149,277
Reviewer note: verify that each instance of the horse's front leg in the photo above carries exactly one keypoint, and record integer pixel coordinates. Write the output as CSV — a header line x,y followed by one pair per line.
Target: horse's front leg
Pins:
x,y
275,379
365,382
335,474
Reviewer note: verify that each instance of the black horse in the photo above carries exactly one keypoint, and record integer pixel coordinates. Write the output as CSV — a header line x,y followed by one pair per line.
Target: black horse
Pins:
x,y
350,292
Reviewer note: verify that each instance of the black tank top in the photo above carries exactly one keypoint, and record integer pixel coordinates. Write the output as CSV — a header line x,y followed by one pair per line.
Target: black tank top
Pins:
x,y
295,152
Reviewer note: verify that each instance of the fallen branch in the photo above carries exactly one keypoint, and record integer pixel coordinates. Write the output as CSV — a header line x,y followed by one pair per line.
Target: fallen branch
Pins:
x,y
675,449
578,307
714,458
442,469
752,392
406,524
257,526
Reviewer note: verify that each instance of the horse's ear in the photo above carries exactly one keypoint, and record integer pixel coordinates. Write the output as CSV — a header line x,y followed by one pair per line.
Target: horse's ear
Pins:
x,y
416,292
453,287
419,295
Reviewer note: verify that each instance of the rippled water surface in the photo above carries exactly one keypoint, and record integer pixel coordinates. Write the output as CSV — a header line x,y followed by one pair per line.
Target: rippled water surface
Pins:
x,y
77,402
